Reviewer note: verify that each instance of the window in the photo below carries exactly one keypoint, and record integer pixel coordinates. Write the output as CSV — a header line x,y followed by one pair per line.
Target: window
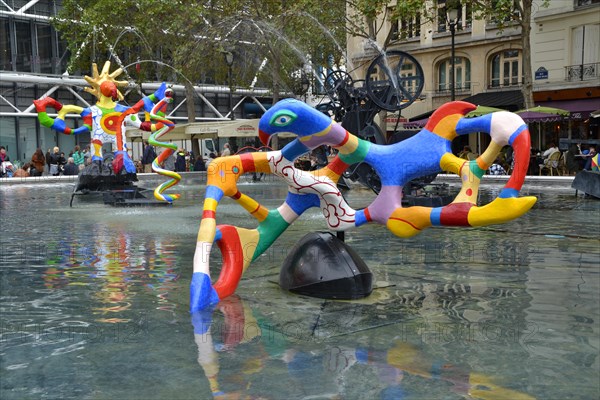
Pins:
x,y
579,3
44,42
585,43
5,49
585,53
24,47
408,70
410,28
505,68
406,28
464,19
462,74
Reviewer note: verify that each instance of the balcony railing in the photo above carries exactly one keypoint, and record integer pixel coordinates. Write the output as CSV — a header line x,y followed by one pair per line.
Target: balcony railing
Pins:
x,y
444,89
582,72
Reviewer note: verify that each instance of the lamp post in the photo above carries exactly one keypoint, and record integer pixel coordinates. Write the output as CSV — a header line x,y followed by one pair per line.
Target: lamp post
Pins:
x,y
229,61
452,17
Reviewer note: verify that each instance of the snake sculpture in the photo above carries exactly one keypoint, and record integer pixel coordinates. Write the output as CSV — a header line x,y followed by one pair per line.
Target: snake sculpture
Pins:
x,y
106,121
426,153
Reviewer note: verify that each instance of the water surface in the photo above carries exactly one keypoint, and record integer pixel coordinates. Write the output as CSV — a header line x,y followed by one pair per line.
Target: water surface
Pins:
x,y
94,305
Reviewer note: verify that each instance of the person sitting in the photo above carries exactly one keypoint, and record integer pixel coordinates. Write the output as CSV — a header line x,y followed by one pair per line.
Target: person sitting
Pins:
x,y
496,168
211,157
547,160
6,167
22,172
38,162
70,168
588,158
551,150
467,154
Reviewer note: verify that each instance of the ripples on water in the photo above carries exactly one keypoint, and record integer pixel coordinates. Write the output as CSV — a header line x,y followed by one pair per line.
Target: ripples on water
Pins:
x,y
94,305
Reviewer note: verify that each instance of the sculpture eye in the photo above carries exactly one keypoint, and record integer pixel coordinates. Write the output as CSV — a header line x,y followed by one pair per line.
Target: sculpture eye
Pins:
x,y
283,118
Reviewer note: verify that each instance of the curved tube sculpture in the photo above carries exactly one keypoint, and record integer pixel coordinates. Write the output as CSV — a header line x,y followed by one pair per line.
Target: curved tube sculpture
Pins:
x,y
426,153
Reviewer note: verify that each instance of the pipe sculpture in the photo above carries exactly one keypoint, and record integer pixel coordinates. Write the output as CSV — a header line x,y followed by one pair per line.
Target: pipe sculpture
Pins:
x,y
426,153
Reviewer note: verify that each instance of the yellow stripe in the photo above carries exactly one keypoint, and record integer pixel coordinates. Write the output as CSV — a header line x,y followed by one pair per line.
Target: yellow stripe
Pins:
x,y
449,162
206,233
253,207
248,242
322,133
489,155
350,146
210,204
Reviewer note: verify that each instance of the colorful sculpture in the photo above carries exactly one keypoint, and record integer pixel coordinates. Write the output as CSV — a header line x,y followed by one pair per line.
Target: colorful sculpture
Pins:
x,y
426,153
107,119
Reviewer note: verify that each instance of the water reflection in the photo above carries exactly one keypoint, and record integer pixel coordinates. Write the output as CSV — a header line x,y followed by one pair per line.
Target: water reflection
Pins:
x,y
389,372
111,265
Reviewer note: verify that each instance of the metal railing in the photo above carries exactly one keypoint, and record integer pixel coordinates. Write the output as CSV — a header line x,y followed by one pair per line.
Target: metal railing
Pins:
x,y
445,89
582,72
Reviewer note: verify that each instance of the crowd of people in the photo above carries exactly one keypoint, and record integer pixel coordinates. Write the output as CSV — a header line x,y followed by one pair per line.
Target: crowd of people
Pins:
x,y
55,162
181,160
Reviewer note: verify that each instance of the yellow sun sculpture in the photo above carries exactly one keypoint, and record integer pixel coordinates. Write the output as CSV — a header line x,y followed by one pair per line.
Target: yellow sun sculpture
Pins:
x,y
98,79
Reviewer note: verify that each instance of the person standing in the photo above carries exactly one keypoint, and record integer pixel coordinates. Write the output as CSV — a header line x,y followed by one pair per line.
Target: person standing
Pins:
x,y
226,150
169,163
199,165
55,162
48,160
180,165
38,161
78,157
148,157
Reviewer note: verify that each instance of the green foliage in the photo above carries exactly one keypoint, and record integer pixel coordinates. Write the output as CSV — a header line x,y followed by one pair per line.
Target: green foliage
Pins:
x,y
191,37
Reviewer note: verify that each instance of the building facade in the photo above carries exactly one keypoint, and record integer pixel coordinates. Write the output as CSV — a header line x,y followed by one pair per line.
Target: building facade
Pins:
x,y
488,63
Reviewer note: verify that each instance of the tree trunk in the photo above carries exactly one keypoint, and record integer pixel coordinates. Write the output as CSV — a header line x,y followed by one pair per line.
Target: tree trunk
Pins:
x,y
527,88
190,96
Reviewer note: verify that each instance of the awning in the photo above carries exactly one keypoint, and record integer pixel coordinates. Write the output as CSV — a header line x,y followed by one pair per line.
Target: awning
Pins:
x,y
509,100
580,108
532,116
416,124
479,111
239,128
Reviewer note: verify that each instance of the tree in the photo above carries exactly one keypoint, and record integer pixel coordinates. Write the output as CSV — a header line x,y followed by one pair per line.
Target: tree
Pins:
x,y
189,37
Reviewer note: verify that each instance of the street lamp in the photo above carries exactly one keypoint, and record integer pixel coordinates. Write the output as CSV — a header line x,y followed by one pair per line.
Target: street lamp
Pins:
x,y
229,61
452,17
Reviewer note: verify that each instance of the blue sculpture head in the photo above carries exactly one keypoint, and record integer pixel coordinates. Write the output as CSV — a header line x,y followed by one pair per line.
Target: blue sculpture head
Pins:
x,y
292,116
